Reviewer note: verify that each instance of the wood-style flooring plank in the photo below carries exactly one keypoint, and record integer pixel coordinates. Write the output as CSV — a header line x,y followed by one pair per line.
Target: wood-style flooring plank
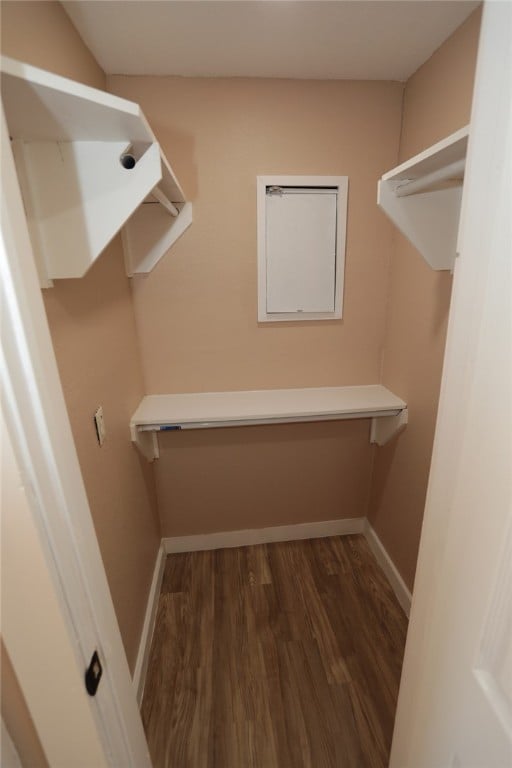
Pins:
x,y
280,655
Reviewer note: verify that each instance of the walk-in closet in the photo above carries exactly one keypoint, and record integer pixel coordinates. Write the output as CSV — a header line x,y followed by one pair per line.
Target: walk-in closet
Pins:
x,y
237,237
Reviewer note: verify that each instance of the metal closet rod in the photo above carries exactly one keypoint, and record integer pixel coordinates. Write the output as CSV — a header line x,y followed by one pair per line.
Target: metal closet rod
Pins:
x,y
452,171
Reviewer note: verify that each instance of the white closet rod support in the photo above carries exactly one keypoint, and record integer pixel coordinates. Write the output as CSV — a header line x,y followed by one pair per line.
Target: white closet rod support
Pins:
x,y
163,200
452,171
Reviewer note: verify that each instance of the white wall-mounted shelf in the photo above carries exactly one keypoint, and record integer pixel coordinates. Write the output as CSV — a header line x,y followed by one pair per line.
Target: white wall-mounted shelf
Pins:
x,y
423,197
152,229
160,413
68,139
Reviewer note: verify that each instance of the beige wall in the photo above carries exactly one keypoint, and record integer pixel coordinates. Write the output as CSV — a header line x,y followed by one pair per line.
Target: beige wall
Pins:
x,y
437,102
95,340
197,312
254,477
437,99
93,329
41,34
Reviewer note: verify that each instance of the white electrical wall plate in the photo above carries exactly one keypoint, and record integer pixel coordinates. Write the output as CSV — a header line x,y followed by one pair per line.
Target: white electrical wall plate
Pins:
x,y
99,423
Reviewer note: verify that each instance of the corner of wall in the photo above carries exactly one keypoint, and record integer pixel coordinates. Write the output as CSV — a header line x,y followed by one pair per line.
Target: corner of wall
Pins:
x,y
42,34
436,102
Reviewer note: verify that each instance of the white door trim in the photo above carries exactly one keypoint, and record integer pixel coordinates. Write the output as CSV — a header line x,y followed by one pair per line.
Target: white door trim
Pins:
x,y
37,640
39,428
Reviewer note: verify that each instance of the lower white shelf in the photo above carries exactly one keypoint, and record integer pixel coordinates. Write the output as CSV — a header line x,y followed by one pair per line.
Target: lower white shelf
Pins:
x,y
206,410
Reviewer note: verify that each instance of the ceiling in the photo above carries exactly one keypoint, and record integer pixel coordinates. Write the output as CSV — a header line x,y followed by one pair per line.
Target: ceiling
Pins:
x,y
311,39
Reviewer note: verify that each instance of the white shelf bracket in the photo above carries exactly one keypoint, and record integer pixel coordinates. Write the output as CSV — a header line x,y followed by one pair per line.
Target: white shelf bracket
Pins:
x,y
164,200
146,442
384,428
149,234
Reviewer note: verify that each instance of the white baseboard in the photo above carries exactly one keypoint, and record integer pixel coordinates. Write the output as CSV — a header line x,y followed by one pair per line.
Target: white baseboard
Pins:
x,y
141,665
398,585
227,539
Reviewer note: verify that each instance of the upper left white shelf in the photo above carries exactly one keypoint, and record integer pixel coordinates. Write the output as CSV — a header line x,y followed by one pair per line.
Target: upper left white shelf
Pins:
x,y
68,140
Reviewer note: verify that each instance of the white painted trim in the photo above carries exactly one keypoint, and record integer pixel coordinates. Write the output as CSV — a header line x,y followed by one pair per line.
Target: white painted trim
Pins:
x,y
228,539
141,665
398,585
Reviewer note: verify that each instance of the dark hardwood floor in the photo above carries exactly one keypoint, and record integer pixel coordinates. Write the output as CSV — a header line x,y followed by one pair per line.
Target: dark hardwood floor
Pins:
x,y
283,655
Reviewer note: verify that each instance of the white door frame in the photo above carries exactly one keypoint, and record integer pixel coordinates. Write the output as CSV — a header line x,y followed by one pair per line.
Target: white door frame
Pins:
x,y
446,601
39,428
37,641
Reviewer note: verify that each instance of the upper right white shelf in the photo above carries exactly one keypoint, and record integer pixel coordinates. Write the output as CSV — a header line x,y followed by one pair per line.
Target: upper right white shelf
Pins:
x,y
422,197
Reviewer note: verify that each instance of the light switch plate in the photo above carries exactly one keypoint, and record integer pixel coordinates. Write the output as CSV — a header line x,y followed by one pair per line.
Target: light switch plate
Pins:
x,y
99,423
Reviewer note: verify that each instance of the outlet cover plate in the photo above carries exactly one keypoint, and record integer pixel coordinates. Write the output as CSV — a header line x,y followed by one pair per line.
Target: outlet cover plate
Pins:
x,y
99,423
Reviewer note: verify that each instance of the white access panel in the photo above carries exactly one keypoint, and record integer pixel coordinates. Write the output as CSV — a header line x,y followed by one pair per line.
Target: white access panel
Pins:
x,y
301,251
302,222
